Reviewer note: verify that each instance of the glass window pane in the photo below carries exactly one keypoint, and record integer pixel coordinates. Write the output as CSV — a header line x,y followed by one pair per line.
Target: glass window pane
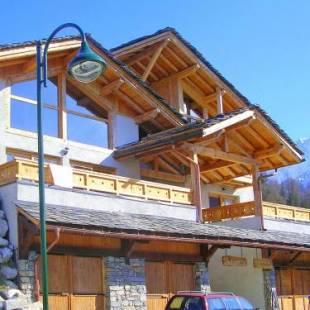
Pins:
x,y
214,202
72,105
24,116
245,304
176,303
87,131
28,89
231,303
193,303
215,304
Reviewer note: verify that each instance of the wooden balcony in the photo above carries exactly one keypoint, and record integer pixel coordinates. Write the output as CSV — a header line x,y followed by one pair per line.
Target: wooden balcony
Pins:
x,y
99,182
240,210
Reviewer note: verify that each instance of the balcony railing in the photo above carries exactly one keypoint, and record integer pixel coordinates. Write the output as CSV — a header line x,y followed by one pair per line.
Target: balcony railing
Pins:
x,y
240,210
99,182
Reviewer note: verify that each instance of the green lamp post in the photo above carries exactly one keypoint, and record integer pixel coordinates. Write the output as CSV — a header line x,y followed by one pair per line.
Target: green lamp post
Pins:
x,y
85,67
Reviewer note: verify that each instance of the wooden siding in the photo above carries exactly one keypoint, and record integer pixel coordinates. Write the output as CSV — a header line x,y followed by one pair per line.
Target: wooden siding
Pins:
x,y
163,279
73,284
101,182
293,287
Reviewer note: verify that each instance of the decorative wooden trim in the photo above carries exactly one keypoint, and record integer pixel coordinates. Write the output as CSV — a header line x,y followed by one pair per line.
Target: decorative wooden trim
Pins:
x,y
100,182
234,261
62,114
263,263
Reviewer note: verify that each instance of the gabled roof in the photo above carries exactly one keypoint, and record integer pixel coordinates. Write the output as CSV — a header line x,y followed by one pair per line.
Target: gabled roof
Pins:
x,y
156,227
111,57
193,49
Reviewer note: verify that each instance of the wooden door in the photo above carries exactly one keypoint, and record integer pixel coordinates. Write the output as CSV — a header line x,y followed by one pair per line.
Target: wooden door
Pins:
x,y
75,283
293,287
163,279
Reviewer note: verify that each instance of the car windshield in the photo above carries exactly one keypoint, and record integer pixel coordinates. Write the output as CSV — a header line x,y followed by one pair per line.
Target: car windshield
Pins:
x,y
245,304
231,303
193,303
215,304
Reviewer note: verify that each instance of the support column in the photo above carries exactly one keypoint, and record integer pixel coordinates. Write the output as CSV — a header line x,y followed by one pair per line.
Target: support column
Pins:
x,y
125,283
26,275
202,277
271,296
257,192
196,186
5,93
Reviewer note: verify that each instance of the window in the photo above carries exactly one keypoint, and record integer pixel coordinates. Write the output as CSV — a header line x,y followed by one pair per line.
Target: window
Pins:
x,y
193,303
83,125
218,199
191,107
245,304
176,303
231,303
215,304
24,108
86,121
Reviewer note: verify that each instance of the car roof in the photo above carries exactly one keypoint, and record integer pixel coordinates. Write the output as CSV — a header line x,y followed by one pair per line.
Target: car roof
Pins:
x,y
207,295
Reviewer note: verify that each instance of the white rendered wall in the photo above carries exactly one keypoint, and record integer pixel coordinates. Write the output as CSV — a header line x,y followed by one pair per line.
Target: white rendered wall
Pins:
x,y
245,281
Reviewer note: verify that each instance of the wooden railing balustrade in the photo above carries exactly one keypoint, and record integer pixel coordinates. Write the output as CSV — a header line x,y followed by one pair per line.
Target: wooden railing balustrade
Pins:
x,y
100,182
240,210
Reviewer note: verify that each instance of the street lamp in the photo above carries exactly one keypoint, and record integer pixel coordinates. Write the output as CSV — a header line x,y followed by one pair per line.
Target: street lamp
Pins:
x,y
85,67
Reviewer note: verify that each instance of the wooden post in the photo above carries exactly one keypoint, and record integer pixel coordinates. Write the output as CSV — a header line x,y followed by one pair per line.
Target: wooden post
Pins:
x,y
196,185
205,113
257,192
62,114
219,100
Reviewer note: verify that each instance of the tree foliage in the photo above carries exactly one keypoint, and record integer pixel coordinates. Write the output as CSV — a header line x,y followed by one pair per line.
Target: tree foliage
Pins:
x,y
289,192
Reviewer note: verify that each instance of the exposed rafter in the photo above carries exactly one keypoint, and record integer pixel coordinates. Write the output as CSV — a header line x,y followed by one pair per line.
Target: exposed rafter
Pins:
x,y
147,116
109,88
153,60
149,173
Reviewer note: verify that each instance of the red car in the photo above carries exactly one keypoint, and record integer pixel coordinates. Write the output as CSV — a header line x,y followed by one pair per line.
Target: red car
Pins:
x,y
209,301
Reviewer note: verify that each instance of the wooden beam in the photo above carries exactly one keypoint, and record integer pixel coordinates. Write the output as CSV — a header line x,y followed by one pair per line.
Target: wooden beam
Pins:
x,y
171,177
294,258
219,101
214,166
108,89
148,173
153,60
257,192
272,151
147,116
93,93
69,57
62,109
218,154
165,165
30,66
179,75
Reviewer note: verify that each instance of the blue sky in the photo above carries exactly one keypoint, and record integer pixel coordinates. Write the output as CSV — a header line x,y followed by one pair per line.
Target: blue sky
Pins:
x,y
262,46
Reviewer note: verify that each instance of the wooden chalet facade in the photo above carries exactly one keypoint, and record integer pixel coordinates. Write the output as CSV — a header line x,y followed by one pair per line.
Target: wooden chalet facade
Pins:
x,y
152,181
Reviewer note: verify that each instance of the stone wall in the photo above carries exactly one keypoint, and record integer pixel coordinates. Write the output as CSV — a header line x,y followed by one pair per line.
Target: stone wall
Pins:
x,y
202,277
271,296
125,284
26,276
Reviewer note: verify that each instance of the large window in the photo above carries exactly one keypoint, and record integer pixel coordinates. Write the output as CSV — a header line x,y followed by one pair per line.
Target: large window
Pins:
x,y
218,200
85,122
24,110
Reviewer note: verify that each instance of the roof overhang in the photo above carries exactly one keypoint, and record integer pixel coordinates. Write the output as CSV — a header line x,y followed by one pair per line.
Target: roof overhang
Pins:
x,y
144,227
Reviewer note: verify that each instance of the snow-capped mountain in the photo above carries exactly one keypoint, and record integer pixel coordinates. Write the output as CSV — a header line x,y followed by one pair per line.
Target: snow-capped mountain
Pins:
x,y
300,172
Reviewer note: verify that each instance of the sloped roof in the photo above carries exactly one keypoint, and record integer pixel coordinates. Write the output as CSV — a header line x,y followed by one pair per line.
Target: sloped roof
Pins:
x,y
162,227
192,130
122,65
195,51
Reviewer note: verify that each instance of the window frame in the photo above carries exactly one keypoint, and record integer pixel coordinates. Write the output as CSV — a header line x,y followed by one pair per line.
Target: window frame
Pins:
x,y
59,107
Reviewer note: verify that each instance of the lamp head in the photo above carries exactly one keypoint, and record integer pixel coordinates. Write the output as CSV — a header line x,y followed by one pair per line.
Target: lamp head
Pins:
x,y
86,66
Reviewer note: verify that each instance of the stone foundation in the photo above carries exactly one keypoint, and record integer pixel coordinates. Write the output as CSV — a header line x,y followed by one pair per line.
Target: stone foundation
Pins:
x,y
125,284
26,276
202,277
271,296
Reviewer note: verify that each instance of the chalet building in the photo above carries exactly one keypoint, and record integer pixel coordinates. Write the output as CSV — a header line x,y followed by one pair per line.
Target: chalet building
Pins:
x,y
152,181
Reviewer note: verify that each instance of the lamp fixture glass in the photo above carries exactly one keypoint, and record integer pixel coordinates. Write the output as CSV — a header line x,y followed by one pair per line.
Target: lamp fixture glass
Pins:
x,y
86,66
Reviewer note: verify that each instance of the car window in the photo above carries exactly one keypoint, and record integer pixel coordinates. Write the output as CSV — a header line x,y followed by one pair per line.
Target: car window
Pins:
x,y
193,303
176,303
215,304
231,303
245,304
